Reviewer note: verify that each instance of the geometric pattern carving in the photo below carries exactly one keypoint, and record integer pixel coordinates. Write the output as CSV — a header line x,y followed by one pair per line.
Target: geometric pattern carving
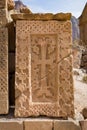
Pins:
x,y
44,83
3,59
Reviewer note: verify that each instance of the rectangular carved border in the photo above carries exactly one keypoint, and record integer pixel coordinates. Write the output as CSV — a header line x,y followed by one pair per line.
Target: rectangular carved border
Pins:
x,y
64,105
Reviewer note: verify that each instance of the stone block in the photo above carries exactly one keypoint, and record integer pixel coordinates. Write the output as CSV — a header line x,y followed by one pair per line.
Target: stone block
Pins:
x,y
3,73
11,125
43,82
38,125
3,17
3,36
3,4
3,60
43,17
83,125
66,125
25,10
11,4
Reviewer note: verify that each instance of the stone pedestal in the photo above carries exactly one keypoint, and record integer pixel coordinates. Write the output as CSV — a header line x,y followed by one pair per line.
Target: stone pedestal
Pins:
x,y
11,125
44,83
3,58
83,125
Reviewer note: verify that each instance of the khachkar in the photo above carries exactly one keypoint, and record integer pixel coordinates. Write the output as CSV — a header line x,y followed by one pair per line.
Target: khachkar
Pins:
x,y
3,58
44,83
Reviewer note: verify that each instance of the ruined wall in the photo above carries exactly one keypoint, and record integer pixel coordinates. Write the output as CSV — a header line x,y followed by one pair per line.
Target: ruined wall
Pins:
x,y
77,54
83,36
44,83
84,60
11,4
83,32
83,25
3,58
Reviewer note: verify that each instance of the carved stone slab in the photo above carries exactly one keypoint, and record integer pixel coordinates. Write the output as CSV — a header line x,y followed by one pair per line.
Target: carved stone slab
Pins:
x,y
44,83
3,59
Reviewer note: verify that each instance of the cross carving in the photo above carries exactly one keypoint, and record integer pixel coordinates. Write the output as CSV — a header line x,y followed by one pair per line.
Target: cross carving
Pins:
x,y
43,62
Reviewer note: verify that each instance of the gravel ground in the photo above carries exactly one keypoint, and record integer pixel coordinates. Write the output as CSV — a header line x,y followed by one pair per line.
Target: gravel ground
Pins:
x,y
80,94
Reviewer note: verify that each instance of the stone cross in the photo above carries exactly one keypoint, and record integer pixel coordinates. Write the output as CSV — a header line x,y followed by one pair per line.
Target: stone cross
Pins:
x,y
42,87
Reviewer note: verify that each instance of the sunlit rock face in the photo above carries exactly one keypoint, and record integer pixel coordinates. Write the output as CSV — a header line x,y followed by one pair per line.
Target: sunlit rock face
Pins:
x,y
20,7
75,28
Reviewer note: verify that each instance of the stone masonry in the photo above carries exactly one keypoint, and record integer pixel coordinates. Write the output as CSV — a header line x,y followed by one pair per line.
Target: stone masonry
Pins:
x,y
11,4
42,124
84,60
83,26
44,83
3,58
83,36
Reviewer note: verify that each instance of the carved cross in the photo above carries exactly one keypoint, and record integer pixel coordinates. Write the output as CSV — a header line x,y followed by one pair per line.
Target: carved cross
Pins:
x,y
43,62
44,88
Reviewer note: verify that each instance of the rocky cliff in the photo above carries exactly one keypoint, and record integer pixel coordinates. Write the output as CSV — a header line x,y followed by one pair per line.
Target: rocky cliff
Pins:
x,y
75,28
19,4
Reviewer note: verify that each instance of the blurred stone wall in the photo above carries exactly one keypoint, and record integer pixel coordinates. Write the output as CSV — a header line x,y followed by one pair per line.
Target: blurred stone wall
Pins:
x,y
44,83
3,57
83,36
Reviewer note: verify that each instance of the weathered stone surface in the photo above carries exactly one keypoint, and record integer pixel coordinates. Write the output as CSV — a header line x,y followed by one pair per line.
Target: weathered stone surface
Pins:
x,y
84,60
83,17
62,16
47,16
25,10
77,53
44,83
3,4
84,112
11,125
83,36
3,59
66,125
38,125
83,125
11,4
3,18
83,26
